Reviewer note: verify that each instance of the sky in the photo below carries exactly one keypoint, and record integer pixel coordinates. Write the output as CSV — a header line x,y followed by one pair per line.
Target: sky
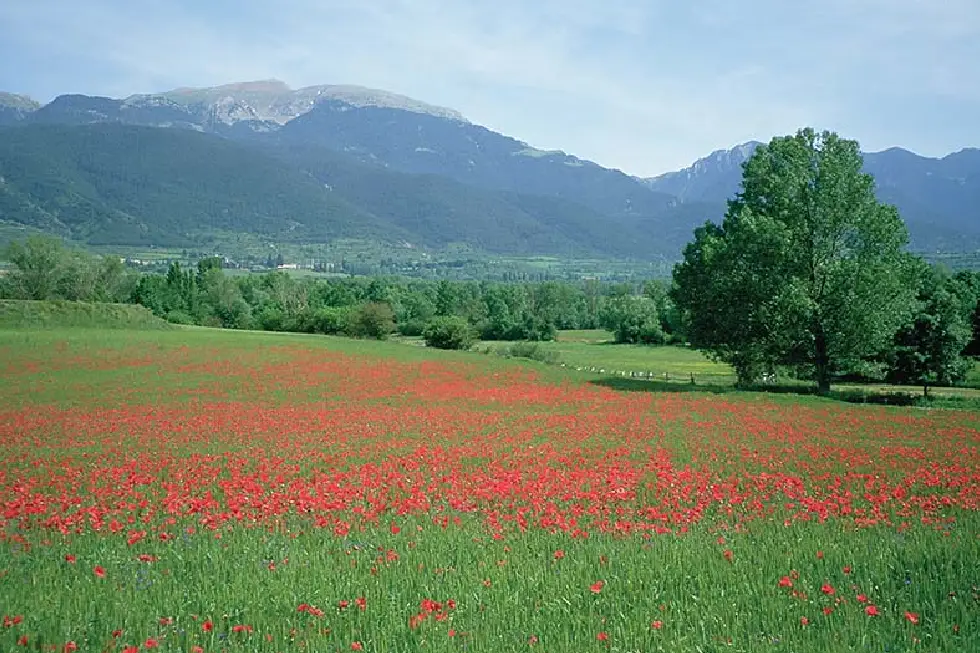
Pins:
x,y
646,86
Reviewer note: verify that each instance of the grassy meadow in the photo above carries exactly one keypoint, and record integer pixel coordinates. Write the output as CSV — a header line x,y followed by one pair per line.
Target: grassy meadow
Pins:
x,y
203,490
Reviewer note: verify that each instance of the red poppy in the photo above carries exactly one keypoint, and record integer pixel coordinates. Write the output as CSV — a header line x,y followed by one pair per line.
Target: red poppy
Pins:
x,y
99,571
804,621
602,636
912,617
827,589
207,626
871,611
597,586
657,625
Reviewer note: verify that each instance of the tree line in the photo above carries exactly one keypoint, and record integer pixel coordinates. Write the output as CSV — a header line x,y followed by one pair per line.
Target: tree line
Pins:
x,y
808,275
373,307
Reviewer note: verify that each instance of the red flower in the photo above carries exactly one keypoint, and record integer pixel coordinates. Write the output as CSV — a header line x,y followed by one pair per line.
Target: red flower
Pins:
x,y
69,558
361,602
151,643
847,569
657,625
785,582
70,646
207,626
197,649
131,649
602,636
241,628
22,640
827,589
871,611
117,633
819,555
912,617
99,571
166,621
356,646
861,598
395,529
597,586
828,610
728,555
804,621
559,554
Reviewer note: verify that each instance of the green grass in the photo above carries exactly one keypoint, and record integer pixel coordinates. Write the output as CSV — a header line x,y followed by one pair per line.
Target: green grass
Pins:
x,y
23,314
113,419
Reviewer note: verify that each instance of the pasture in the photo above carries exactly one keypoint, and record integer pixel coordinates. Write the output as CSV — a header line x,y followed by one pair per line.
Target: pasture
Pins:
x,y
201,490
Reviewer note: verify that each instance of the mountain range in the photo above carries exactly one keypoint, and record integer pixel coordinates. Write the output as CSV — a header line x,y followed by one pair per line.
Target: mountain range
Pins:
x,y
324,162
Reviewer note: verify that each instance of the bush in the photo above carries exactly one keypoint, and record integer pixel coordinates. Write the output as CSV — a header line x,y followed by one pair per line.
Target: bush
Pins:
x,y
412,327
331,320
372,320
448,332
532,351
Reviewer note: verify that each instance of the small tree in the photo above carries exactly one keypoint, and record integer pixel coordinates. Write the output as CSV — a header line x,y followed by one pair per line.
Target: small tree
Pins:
x,y
930,350
38,267
448,332
372,320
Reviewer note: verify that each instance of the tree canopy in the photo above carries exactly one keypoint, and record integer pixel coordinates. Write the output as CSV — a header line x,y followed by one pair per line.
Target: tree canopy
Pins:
x,y
807,269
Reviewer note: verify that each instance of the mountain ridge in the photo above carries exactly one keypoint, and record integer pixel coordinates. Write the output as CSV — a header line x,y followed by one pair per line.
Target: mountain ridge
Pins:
x,y
426,172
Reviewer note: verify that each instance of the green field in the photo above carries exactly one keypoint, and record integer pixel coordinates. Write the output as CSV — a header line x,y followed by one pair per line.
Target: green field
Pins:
x,y
205,490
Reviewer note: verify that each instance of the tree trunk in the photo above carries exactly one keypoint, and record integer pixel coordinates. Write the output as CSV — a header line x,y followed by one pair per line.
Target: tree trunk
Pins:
x,y
925,390
821,362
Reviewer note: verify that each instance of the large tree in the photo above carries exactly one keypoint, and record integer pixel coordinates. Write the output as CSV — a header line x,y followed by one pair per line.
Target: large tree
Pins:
x,y
806,270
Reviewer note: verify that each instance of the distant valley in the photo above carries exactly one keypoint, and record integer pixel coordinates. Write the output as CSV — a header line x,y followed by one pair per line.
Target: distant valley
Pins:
x,y
326,162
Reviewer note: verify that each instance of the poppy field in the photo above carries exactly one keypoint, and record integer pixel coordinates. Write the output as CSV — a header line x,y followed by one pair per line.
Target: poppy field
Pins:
x,y
201,490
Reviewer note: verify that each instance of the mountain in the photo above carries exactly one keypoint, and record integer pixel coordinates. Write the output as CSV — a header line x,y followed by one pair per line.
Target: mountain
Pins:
x,y
321,162
111,183
127,185
423,143
15,108
939,198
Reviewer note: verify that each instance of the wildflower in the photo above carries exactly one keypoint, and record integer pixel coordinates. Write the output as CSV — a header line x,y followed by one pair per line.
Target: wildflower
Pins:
x,y
22,640
657,625
99,571
827,589
785,582
356,646
151,643
602,636
911,617
559,554
597,586
804,621
207,626
871,611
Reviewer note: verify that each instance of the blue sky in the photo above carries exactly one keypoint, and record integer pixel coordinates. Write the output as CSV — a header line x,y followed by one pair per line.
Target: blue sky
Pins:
x,y
645,86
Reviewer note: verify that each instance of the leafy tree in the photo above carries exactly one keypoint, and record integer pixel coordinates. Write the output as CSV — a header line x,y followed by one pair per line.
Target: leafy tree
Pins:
x,y
372,320
807,268
930,349
448,332
634,320
38,267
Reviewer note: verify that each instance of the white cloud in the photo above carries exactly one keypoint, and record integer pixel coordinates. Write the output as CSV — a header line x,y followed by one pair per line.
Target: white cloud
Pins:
x,y
643,85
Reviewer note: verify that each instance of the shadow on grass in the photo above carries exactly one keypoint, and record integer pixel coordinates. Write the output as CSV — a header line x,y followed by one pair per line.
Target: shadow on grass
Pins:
x,y
849,395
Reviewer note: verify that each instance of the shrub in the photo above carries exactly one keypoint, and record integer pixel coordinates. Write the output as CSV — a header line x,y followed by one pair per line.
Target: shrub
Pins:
x,y
372,320
448,332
